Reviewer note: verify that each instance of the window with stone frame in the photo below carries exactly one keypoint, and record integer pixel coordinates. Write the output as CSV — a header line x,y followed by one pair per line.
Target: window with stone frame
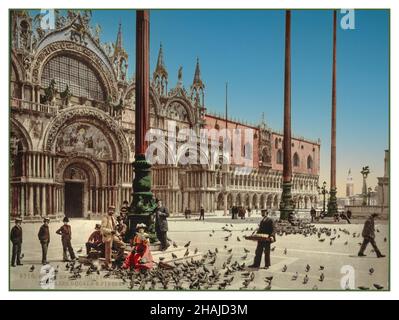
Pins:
x,y
296,160
310,162
279,159
77,75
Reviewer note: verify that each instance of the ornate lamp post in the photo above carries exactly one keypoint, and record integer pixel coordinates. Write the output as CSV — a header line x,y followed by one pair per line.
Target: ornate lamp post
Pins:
x,y
365,172
323,190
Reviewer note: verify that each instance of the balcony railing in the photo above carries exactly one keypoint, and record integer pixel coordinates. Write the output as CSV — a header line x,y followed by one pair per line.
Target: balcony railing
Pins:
x,y
19,104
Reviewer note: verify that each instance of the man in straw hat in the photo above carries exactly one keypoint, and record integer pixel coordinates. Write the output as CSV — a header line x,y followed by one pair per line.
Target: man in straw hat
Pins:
x,y
111,237
16,240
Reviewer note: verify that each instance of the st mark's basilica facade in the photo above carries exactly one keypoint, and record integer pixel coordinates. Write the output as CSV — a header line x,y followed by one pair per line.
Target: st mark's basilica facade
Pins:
x,y
72,113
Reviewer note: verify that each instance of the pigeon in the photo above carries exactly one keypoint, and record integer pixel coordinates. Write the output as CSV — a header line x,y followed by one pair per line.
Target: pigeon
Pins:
x,y
238,239
32,268
363,288
174,244
79,250
210,234
187,244
187,253
246,250
295,276
161,258
306,279
196,251
385,239
174,256
346,243
22,256
285,251
273,248
377,286
371,271
284,268
307,268
321,279
244,257
229,251
321,240
269,279
216,250
321,268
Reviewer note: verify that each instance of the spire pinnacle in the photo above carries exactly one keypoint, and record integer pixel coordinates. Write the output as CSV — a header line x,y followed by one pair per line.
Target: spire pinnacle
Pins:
x,y
160,69
197,82
118,43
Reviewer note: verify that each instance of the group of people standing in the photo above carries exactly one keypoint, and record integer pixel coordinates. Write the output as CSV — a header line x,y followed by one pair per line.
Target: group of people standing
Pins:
x,y
107,236
187,213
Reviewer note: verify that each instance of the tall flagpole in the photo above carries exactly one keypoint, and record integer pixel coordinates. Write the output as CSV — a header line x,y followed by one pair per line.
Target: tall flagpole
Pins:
x,y
332,203
286,207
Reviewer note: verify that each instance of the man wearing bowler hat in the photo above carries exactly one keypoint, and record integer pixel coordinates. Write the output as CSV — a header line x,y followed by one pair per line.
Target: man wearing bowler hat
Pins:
x,y
16,240
66,236
44,238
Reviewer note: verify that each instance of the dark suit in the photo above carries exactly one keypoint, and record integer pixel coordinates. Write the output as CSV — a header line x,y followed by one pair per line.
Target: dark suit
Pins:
x,y
44,238
202,214
266,226
66,236
16,240
161,226
368,237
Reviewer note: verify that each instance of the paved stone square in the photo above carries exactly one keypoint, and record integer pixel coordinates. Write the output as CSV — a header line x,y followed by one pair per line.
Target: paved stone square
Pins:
x,y
336,258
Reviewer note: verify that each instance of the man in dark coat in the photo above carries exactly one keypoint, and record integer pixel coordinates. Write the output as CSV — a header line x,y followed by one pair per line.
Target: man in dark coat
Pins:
x,y
202,213
161,224
66,236
266,226
368,235
187,213
44,238
312,214
16,240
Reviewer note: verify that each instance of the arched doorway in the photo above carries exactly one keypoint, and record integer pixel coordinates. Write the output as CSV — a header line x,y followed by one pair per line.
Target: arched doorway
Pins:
x,y
81,181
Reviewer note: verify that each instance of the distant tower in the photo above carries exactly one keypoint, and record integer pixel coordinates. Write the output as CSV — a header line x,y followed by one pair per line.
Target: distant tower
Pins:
x,y
349,185
160,75
119,58
197,88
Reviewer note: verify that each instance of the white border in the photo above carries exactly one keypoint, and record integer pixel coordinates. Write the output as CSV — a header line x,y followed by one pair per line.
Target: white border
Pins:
x,y
4,35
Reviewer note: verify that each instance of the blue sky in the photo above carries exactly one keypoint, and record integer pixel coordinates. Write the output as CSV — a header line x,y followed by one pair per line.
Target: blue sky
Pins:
x,y
246,48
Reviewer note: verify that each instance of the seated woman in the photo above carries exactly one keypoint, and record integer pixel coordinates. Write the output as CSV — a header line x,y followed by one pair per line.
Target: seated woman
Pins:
x,y
140,258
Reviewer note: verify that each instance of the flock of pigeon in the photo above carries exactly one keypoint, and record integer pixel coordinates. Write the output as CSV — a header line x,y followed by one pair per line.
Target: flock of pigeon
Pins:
x,y
216,269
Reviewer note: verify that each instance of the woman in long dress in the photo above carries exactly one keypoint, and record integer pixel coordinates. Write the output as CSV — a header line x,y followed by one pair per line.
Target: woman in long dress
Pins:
x,y
140,258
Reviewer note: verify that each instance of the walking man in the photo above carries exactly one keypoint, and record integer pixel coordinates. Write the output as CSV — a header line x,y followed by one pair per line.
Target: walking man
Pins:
x,y
368,235
111,237
66,236
161,224
16,240
266,226
44,238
